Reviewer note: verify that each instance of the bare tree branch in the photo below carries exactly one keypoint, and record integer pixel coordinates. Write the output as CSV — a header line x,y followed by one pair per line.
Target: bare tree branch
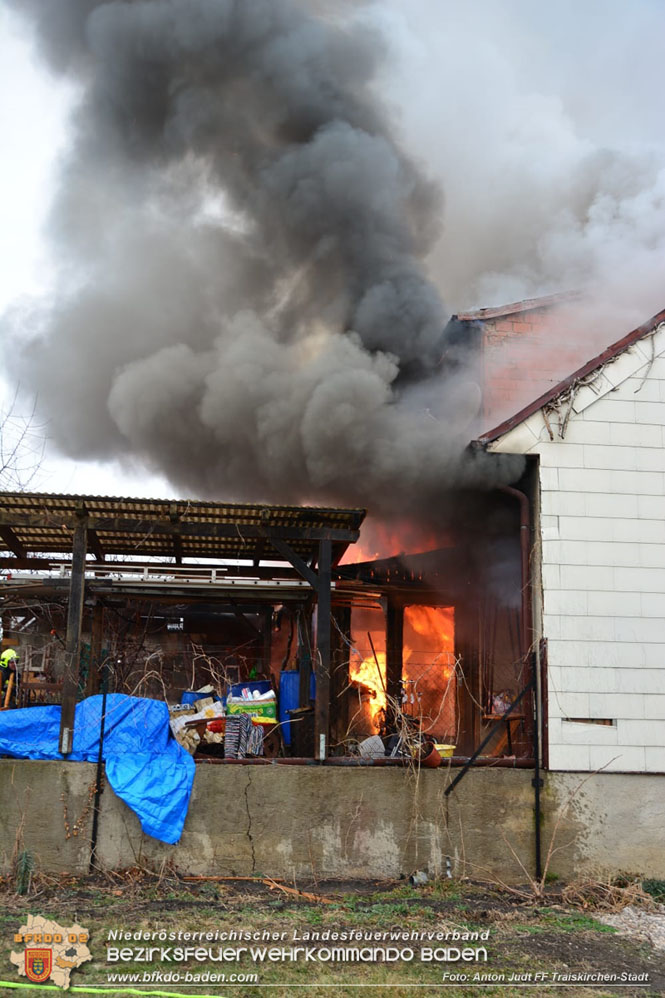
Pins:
x,y
22,445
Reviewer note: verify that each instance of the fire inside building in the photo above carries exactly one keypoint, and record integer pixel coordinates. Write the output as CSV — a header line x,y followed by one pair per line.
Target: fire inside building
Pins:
x,y
516,646
159,599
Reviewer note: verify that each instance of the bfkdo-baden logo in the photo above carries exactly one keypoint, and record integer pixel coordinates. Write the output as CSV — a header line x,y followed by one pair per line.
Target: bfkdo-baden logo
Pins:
x,y
51,950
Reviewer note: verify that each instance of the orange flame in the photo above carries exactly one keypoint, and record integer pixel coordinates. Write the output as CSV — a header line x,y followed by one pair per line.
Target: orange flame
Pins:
x,y
429,666
428,669
365,671
383,539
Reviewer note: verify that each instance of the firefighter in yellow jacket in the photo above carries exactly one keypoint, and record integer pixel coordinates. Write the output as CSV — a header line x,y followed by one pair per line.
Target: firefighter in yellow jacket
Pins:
x,y
8,664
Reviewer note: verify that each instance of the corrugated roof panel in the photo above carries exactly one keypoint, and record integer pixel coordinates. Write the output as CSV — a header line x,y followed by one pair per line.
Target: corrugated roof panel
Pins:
x,y
52,518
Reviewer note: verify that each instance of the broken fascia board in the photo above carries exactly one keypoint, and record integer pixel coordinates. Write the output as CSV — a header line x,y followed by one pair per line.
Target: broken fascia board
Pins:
x,y
587,394
522,438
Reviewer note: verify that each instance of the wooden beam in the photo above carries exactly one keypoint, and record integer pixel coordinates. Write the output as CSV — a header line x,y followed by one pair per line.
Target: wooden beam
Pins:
x,y
266,651
305,648
73,640
323,620
12,542
259,551
339,676
95,546
338,552
25,563
96,637
300,566
177,549
394,651
192,528
239,615
174,517
468,630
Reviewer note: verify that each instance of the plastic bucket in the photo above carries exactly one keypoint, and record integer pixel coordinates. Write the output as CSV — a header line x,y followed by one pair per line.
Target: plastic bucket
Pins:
x,y
289,698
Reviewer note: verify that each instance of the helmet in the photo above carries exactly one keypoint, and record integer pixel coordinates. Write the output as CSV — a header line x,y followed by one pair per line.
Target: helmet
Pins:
x,y
8,656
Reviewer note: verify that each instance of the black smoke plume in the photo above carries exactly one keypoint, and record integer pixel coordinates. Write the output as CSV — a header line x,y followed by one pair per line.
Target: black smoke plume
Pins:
x,y
243,304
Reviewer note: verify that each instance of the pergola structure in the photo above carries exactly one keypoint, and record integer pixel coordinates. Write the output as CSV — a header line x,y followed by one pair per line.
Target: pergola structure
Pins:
x,y
250,542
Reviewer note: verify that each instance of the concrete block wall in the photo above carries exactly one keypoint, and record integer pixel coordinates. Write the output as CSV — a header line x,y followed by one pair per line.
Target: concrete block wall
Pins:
x,y
312,822
603,564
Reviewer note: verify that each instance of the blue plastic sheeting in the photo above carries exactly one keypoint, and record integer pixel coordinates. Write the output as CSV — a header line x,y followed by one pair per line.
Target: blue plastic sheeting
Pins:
x,y
144,764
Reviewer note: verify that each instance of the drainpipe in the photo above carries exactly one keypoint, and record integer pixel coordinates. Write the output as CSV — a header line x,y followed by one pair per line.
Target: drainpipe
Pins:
x,y
525,524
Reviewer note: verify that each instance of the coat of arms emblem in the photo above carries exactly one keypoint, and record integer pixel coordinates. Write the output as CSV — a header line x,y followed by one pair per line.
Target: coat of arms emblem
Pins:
x,y
38,964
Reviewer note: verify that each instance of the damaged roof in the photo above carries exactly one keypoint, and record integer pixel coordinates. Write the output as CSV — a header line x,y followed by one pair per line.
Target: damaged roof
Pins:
x,y
610,354
527,305
44,523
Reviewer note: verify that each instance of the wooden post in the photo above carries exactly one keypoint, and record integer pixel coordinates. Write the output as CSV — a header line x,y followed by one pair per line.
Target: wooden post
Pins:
x,y
304,652
322,709
467,629
266,650
96,636
394,651
72,644
339,678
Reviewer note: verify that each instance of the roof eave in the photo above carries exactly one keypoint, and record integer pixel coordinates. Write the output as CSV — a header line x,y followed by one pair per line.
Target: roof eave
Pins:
x,y
515,308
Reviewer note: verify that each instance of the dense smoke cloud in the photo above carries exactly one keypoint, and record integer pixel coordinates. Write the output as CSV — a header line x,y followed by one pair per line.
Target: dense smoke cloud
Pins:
x,y
241,243
545,125
250,264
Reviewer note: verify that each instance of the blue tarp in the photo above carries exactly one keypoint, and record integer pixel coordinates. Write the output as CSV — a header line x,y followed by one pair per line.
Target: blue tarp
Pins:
x,y
144,764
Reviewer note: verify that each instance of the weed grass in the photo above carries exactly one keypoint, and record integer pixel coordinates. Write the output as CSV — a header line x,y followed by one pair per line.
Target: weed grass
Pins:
x,y
521,938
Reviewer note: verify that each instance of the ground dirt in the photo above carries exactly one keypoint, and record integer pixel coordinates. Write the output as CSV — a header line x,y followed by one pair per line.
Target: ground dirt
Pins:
x,y
526,937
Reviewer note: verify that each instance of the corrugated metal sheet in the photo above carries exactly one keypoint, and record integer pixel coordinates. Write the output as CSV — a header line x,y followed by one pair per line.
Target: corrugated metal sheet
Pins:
x,y
43,523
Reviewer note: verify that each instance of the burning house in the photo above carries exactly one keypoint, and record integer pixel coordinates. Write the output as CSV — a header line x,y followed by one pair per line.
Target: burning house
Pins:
x,y
372,660
176,596
475,638
496,635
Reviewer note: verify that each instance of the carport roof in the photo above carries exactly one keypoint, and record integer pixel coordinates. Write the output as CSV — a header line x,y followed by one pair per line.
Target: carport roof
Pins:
x,y
43,523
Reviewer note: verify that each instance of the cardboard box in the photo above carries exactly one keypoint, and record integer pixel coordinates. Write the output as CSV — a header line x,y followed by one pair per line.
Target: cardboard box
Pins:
x,y
255,708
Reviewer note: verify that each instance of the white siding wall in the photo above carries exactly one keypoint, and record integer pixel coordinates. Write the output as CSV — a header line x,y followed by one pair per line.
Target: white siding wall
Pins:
x,y
603,565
